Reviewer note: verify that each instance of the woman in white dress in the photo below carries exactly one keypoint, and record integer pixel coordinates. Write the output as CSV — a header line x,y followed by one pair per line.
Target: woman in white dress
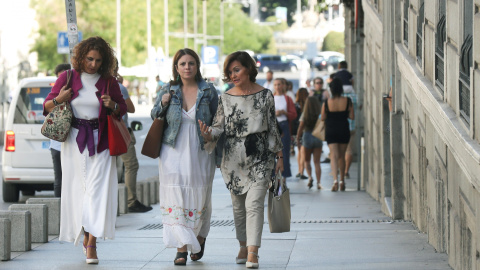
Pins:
x,y
89,186
186,170
246,115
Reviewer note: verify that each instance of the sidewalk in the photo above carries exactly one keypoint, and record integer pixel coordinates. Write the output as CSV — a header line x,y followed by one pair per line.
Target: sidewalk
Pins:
x,y
329,230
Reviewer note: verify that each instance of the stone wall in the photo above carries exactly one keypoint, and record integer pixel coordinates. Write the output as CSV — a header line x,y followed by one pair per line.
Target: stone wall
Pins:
x,y
421,161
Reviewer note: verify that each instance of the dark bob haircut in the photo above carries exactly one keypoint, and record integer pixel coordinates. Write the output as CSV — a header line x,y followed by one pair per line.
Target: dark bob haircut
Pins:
x,y
107,68
336,87
176,58
245,59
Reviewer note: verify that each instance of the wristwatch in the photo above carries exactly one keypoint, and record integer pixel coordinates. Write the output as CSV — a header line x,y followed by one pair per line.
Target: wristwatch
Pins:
x,y
55,102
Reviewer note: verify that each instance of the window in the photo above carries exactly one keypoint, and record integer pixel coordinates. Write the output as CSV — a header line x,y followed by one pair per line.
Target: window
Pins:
x,y
419,44
406,4
466,61
440,38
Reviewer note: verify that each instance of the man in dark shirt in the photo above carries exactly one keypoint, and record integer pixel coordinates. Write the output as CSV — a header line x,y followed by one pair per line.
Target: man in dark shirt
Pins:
x,y
346,77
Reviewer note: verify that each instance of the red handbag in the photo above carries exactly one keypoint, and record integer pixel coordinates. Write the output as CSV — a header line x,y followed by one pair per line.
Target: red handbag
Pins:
x,y
118,135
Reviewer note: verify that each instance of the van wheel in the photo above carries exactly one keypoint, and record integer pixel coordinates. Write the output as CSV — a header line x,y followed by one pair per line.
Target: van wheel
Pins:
x,y
265,69
10,192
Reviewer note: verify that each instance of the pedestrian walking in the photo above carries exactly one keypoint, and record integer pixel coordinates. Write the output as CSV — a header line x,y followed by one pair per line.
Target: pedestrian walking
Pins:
x,y
56,147
246,114
186,170
129,159
285,112
335,112
301,98
311,144
269,81
89,181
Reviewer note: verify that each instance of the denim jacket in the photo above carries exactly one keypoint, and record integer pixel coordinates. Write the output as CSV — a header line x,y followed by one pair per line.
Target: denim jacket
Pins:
x,y
206,107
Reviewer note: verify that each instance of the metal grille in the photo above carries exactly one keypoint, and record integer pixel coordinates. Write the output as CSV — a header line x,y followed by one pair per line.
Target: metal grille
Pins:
x,y
406,4
420,34
439,53
464,98
227,223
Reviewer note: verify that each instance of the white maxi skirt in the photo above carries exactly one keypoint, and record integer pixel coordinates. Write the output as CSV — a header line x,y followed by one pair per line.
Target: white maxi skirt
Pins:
x,y
186,175
89,191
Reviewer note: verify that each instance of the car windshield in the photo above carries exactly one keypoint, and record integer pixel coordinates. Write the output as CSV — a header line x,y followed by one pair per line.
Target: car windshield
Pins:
x,y
29,108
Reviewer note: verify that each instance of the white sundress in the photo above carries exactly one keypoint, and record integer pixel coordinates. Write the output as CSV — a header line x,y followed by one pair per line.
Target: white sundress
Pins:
x,y
186,175
89,185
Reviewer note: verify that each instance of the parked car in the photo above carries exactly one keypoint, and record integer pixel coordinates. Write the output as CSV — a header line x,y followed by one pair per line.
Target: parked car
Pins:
x,y
298,61
26,159
266,62
328,60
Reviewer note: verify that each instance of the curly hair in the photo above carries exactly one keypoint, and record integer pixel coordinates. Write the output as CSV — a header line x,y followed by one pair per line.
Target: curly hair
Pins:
x,y
311,112
245,60
176,58
107,68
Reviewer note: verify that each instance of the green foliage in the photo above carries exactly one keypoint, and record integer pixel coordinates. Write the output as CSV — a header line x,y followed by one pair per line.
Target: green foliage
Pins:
x,y
334,41
278,26
98,18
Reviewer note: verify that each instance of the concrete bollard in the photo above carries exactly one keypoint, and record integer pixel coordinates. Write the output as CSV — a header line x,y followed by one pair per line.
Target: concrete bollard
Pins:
x,y
21,236
39,220
5,239
153,191
122,199
53,205
140,191
146,194
157,190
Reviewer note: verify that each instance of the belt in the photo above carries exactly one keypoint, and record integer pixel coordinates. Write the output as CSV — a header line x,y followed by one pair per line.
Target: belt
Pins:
x,y
85,134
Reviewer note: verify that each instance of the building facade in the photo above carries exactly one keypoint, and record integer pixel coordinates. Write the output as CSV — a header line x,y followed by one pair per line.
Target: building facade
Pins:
x,y
422,159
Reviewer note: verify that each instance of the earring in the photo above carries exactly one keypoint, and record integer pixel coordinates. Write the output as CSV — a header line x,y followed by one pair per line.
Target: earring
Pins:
x,y
178,77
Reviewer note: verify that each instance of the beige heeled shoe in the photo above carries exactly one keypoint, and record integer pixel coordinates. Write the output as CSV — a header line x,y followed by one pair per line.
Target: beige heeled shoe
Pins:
x,y
241,260
252,264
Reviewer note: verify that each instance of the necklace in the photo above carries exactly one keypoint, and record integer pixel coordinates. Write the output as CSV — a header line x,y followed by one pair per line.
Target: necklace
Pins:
x,y
247,92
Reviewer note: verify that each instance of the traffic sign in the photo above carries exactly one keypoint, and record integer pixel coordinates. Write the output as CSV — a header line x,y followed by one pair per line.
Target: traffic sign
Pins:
x,y
210,54
62,42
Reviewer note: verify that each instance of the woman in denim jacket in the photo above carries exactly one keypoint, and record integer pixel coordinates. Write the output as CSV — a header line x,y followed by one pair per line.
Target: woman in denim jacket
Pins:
x,y
186,170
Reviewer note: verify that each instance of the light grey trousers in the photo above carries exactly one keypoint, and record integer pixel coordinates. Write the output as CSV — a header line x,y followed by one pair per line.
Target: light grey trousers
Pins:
x,y
248,214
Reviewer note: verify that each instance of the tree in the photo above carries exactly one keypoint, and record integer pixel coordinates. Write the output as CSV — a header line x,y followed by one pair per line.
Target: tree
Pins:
x,y
98,18
334,41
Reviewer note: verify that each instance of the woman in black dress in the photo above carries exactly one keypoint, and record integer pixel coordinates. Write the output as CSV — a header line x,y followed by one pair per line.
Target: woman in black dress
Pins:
x,y
335,112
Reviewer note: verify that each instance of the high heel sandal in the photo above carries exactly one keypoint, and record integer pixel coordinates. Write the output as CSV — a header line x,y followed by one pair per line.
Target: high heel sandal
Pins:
x,y
335,186
310,183
241,260
92,261
84,249
319,186
252,264
342,186
199,254
181,255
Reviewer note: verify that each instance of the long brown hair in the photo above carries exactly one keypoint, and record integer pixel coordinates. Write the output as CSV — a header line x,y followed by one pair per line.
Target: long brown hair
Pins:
x,y
311,112
301,97
178,55
107,68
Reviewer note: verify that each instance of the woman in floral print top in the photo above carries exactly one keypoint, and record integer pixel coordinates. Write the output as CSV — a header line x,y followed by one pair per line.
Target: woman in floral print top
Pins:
x,y
246,115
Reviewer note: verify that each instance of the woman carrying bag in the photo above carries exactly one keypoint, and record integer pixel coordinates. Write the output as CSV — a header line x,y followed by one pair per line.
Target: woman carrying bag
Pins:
x,y
311,144
246,115
186,170
89,174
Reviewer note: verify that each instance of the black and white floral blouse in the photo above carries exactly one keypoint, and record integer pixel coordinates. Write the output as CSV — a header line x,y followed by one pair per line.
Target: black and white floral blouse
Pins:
x,y
251,139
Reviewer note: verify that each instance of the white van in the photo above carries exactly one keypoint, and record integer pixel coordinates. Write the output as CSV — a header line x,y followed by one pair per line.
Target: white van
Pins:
x,y
27,163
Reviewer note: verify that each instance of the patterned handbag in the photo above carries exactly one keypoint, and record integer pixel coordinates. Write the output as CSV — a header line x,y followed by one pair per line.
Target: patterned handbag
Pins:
x,y
57,123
